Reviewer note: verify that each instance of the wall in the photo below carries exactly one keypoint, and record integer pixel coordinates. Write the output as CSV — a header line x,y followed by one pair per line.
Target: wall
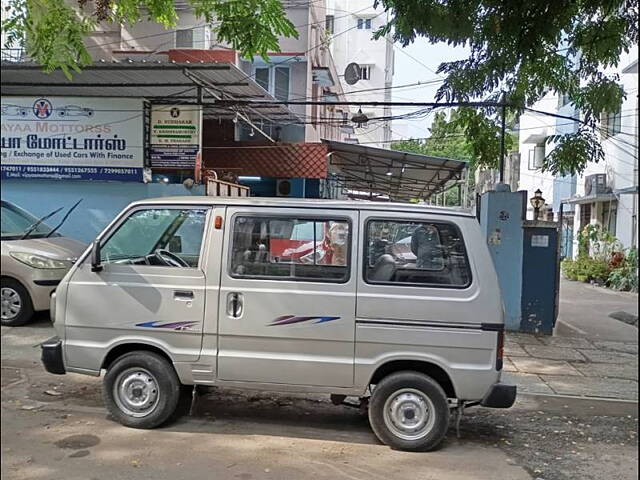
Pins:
x,y
533,128
501,222
620,163
621,155
102,201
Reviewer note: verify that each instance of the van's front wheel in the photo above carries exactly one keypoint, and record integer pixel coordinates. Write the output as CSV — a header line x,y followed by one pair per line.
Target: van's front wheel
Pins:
x,y
409,411
141,390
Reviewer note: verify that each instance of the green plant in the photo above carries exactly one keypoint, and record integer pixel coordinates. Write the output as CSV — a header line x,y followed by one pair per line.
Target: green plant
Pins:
x,y
569,269
586,269
625,276
525,50
597,242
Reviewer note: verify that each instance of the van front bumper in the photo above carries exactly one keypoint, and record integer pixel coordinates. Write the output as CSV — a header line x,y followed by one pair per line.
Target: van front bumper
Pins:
x,y
52,356
500,395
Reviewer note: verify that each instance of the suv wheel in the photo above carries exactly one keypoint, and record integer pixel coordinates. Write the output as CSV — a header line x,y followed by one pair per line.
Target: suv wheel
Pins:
x,y
409,411
17,308
141,390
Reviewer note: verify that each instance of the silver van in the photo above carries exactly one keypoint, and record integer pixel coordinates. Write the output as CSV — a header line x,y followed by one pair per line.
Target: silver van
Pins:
x,y
395,304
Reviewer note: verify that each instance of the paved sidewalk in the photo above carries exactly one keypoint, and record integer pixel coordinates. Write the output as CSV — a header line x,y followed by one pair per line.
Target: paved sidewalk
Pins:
x,y
585,311
574,366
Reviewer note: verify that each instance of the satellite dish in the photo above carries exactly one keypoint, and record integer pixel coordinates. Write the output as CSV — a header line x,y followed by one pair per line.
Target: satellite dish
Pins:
x,y
352,73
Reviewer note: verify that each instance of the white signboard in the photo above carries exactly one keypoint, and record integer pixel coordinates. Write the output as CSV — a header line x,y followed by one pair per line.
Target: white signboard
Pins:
x,y
175,135
540,241
83,138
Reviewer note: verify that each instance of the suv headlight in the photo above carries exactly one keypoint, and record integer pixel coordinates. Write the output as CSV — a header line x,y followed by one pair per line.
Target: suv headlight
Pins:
x,y
38,261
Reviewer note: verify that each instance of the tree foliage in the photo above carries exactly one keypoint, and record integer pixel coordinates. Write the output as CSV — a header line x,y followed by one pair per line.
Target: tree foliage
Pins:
x,y
457,138
52,31
526,49
447,140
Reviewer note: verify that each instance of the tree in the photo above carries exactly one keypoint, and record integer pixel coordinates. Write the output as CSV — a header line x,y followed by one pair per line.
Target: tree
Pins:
x,y
525,49
448,140
52,31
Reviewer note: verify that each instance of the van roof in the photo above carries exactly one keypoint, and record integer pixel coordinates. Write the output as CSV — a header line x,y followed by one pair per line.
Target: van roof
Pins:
x,y
305,203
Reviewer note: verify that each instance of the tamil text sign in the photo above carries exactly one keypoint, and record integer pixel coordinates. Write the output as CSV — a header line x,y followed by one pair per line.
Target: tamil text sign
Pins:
x,y
81,138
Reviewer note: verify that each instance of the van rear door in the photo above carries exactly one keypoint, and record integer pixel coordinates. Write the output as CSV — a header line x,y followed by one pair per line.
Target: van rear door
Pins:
x,y
288,296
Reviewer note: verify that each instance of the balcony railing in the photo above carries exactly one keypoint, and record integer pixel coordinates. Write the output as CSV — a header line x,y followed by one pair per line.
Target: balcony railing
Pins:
x,y
13,55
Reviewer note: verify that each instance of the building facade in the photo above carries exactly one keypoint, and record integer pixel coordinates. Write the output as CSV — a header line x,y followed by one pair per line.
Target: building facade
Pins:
x,y
138,69
350,25
605,193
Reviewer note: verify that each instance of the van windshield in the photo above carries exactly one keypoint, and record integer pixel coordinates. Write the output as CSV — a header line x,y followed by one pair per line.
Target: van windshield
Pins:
x,y
14,222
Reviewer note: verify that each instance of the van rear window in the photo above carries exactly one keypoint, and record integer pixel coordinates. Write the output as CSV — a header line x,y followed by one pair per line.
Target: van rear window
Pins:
x,y
281,248
426,254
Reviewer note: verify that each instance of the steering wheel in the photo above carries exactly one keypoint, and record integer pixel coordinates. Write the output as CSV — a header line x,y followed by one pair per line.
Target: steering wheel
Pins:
x,y
170,259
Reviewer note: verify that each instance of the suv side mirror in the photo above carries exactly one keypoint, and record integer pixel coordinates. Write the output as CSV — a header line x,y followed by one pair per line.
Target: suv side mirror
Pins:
x,y
96,266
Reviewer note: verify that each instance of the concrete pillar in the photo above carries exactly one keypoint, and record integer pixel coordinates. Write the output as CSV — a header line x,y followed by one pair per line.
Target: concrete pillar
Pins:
x,y
501,218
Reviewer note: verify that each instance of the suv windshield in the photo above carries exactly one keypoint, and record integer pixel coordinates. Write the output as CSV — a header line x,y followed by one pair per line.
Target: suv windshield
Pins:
x,y
15,221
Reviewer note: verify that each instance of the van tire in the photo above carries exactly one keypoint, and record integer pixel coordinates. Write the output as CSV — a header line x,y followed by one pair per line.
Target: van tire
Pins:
x,y
419,396
141,371
11,287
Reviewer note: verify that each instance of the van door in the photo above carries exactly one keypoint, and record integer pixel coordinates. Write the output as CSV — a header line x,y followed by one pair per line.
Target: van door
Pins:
x,y
287,296
151,288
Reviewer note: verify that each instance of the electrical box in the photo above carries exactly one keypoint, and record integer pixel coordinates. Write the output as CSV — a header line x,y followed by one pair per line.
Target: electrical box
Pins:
x,y
525,256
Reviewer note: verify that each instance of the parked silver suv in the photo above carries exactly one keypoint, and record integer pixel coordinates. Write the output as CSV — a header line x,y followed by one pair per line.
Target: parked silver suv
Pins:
x,y
34,259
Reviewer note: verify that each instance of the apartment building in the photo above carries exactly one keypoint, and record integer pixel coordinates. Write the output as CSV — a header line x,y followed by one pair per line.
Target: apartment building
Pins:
x,y
350,25
303,69
606,192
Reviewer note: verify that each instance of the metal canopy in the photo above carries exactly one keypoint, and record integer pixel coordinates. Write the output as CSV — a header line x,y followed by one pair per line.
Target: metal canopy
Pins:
x,y
389,173
162,82
600,197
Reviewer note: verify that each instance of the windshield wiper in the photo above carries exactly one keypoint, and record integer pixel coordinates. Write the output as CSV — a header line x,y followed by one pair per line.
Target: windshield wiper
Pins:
x,y
35,225
64,219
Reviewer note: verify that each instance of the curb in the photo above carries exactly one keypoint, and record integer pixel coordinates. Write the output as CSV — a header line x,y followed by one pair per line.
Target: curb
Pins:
x,y
615,407
576,397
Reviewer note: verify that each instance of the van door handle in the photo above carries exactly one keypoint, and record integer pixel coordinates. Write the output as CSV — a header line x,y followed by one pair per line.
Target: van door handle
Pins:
x,y
183,295
234,304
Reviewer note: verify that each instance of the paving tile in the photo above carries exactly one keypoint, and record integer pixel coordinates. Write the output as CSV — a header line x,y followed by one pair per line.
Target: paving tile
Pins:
x,y
527,383
523,338
608,370
574,342
508,365
592,387
514,350
601,356
554,353
618,347
543,366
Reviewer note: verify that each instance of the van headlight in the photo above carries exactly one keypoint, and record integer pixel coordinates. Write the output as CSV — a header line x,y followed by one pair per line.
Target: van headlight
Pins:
x,y
39,261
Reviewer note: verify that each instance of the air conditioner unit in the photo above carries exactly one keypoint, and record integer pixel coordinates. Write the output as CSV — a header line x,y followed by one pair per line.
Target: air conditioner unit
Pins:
x,y
595,184
283,187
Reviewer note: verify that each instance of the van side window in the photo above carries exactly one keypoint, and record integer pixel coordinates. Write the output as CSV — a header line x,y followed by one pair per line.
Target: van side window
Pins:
x,y
157,237
415,253
313,249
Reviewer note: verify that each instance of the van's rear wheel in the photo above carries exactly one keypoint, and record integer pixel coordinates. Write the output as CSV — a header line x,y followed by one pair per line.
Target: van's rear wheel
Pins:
x,y
141,390
409,411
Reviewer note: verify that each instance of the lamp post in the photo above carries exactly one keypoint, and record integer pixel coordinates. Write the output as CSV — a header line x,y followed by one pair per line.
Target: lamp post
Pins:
x,y
537,202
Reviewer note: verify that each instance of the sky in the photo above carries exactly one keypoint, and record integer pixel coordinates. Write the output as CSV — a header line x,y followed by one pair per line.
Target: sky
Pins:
x,y
422,67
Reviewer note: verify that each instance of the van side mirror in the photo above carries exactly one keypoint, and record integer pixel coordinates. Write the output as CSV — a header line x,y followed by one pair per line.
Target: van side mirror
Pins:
x,y
96,266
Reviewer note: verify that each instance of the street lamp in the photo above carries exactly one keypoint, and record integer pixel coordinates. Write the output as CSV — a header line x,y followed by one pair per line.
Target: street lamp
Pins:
x,y
537,202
